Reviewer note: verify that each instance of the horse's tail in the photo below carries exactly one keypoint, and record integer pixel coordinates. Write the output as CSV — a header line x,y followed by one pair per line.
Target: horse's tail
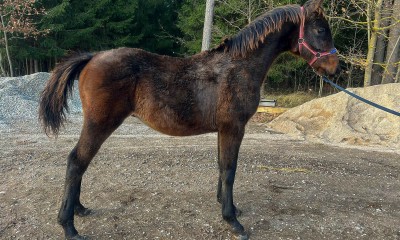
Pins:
x,y
53,102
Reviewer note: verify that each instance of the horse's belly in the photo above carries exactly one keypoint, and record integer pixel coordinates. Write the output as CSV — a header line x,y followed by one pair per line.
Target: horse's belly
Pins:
x,y
175,127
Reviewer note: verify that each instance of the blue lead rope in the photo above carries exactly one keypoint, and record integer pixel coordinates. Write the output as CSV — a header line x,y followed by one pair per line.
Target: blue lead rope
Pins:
x,y
360,98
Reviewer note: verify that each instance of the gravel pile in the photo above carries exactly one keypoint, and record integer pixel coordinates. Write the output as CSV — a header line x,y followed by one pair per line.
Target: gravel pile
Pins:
x,y
19,98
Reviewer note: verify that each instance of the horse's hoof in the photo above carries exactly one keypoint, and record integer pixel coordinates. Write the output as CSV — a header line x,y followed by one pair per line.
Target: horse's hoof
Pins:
x,y
239,233
238,230
76,237
242,236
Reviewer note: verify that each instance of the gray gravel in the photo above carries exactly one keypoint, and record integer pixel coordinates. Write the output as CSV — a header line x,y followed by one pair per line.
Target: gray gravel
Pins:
x,y
19,98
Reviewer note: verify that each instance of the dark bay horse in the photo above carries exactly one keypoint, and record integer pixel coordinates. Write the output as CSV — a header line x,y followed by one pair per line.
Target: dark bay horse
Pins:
x,y
213,91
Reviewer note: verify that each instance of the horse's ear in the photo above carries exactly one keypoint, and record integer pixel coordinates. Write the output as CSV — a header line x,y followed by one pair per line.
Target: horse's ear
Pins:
x,y
313,5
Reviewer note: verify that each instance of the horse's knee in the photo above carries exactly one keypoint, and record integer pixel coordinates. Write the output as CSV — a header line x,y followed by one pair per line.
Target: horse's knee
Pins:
x,y
228,176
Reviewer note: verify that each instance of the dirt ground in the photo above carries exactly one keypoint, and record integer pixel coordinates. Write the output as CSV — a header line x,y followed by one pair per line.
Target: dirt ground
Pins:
x,y
144,185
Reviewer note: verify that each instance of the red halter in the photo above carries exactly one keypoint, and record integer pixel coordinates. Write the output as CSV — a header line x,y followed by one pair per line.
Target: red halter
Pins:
x,y
302,42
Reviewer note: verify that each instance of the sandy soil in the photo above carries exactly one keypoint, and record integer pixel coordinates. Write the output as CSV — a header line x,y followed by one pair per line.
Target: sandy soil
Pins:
x,y
144,185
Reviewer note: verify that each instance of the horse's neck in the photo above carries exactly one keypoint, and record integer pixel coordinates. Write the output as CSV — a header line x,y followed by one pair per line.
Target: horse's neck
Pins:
x,y
262,58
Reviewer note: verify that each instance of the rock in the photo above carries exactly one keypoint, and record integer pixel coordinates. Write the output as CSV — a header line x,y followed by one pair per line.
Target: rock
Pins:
x,y
340,118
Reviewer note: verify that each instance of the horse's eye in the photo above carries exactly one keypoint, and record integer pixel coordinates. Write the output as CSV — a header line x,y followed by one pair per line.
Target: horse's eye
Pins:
x,y
321,30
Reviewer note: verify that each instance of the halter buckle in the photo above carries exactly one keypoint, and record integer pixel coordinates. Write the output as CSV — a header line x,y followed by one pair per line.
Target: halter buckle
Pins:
x,y
300,41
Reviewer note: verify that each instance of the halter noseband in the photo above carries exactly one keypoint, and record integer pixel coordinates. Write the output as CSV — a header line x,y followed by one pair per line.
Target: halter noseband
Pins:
x,y
302,42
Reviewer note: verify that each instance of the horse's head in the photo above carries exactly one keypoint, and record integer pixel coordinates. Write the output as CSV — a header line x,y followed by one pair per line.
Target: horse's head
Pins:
x,y
314,42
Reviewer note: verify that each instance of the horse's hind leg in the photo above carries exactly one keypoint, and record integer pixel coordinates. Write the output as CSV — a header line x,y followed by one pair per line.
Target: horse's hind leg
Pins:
x,y
228,144
94,132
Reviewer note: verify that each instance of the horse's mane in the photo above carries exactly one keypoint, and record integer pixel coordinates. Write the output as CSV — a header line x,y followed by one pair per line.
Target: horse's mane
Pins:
x,y
255,33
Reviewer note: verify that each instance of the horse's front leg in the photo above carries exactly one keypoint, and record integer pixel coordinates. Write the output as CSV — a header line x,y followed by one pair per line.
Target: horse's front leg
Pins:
x,y
228,149
238,212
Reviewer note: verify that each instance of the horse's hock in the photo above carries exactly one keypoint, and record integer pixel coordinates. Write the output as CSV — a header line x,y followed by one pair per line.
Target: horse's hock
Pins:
x,y
340,118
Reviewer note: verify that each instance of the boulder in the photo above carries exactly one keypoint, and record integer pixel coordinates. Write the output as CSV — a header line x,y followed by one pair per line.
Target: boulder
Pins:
x,y
340,118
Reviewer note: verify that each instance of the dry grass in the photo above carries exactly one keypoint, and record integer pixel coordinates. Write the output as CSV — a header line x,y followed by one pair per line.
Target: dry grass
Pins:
x,y
292,99
263,117
288,100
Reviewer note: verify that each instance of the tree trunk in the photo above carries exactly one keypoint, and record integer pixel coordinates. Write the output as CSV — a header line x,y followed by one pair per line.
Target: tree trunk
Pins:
x,y
7,48
350,76
381,44
49,65
393,49
321,87
36,64
372,43
31,69
26,67
3,72
208,23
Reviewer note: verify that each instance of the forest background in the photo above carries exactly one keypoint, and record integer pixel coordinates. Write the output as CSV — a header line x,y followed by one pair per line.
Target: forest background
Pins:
x,y
35,34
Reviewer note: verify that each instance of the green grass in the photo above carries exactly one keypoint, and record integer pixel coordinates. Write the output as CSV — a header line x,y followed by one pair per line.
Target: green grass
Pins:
x,y
290,100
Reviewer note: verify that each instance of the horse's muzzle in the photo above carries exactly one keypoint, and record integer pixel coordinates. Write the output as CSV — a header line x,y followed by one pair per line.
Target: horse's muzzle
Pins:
x,y
328,66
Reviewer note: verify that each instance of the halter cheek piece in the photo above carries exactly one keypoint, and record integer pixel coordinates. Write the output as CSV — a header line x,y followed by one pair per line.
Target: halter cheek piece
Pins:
x,y
302,43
